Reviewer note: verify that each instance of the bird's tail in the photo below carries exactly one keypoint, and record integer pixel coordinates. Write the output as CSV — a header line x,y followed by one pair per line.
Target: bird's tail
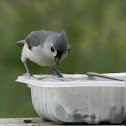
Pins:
x,y
19,43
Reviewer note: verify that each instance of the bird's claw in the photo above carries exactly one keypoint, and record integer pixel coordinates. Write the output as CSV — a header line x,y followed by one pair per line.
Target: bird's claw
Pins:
x,y
54,72
58,74
28,75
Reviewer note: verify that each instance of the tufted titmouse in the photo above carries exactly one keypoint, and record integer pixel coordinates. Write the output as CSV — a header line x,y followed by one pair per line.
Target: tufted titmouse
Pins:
x,y
46,48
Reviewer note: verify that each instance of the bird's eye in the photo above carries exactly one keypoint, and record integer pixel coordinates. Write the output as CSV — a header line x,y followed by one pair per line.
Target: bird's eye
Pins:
x,y
52,49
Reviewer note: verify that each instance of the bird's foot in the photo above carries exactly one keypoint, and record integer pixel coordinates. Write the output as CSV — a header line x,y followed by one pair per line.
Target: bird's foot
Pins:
x,y
28,72
28,75
58,74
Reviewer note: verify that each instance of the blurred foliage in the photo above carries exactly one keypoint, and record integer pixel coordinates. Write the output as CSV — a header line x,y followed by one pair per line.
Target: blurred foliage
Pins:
x,y
95,29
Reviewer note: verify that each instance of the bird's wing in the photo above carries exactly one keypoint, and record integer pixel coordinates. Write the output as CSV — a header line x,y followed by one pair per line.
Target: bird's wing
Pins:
x,y
37,38
20,43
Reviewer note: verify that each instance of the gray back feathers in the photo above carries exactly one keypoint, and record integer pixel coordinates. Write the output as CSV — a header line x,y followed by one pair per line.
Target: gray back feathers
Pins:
x,y
37,38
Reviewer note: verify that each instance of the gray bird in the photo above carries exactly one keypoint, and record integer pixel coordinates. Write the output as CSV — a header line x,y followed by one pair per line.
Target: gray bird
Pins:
x,y
46,48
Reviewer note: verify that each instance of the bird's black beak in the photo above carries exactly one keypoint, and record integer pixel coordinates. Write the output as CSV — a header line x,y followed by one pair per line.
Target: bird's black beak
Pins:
x,y
57,60
58,56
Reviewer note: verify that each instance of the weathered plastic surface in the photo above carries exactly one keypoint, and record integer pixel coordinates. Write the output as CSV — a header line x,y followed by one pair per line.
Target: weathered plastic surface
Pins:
x,y
79,98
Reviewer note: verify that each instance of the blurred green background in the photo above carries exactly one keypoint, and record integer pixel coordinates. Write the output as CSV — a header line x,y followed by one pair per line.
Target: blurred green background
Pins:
x,y
96,30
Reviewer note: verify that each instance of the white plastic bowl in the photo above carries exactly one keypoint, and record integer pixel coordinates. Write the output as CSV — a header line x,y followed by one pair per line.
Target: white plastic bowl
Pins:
x,y
78,98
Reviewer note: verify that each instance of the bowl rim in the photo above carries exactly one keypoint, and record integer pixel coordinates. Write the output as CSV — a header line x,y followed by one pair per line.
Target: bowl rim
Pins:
x,y
87,83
